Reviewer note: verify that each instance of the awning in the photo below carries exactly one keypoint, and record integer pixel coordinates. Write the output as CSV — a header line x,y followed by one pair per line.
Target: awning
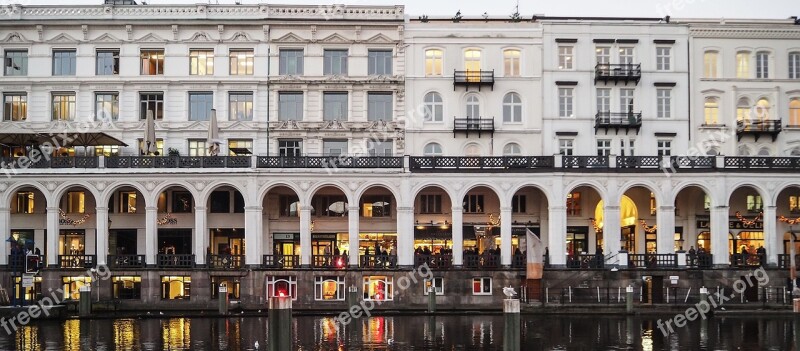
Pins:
x,y
240,151
65,139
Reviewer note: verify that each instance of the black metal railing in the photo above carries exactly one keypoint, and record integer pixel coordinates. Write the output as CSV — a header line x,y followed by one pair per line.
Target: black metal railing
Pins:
x,y
693,162
482,261
225,261
470,77
47,161
378,261
700,260
586,261
126,261
76,261
783,261
748,260
329,261
608,120
652,261
16,262
640,162
178,161
438,261
618,72
330,162
280,261
759,126
509,163
748,162
473,124
584,162
519,261
175,261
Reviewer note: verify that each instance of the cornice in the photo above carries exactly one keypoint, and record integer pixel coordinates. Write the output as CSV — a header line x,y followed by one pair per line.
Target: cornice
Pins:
x,y
746,33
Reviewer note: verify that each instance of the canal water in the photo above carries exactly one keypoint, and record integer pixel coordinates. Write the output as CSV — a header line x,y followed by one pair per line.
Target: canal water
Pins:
x,y
466,332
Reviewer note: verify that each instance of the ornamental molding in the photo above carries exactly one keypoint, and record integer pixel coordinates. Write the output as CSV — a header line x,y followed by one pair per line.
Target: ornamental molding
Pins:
x,y
62,38
107,38
745,33
290,38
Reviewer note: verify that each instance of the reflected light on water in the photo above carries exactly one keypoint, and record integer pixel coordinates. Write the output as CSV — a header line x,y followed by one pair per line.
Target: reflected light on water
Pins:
x,y
647,340
175,333
125,333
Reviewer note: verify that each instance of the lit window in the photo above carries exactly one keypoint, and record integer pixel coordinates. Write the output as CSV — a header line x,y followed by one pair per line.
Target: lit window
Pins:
x,y
176,287
574,204
762,109
472,61
329,289
376,206
711,64
106,106
378,288
25,202
565,58
707,203
76,202
240,106
511,63
198,147
711,111
794,112
433,62
73,285
743,64
127,287
201,62
482,286
152,62
754,203
437,284
239,147
63,106
159,146
127,202
232,285
653,208
15,106
794,206
743,109
241,62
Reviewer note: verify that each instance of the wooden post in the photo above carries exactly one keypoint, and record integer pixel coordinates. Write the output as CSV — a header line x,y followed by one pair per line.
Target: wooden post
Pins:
x,y
511,332
223,300
280,323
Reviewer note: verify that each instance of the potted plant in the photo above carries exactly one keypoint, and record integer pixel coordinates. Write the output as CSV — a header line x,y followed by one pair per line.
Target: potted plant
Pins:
x,y
173,152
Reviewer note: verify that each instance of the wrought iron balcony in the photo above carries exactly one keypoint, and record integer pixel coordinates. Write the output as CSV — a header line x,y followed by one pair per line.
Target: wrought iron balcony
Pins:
x,y
652,261
225,261
693,162
175,261
76,261
639,162
482,261
473,78
629,72
330,162
42,161
586,261
126,261
584,162
771,163
178,162
437,261
280,261
329,261
618,120
467,125
499,163
757,128
379,261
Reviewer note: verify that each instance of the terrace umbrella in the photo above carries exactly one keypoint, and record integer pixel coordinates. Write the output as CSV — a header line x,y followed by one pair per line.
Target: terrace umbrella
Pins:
x,y
149,142
213,135
536,251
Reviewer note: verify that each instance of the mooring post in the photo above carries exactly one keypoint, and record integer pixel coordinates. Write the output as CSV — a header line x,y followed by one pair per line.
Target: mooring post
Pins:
x,y
629,299
703,294
85,301
431,300
280,323
223,300
511,337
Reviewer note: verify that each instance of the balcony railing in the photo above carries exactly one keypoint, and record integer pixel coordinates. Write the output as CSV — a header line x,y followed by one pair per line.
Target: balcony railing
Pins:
x,y
586,261
784,262
772,163
652,261
700,260
618,120
178,161
504,163
16,262
479,125
748,260
330,162
757,128
584,162
329,261
628,72
639,162
378,261
76,261
482,261
225,261
50,162
693,162
175,261
126,261
519,261
476,78
280,261
439,261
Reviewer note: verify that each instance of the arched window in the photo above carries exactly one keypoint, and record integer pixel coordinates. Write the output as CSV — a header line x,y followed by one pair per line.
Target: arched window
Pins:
x,y
472,60
432,149
711,64
434,108
743,109
764,152
795,152
511,62
762,64
512,108
711,111
472,150
794,113
473,107
433,62
512,149
744,151
743,64
762,109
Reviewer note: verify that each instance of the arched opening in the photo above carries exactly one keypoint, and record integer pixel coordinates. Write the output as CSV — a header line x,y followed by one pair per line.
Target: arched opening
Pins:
x,y
433,232
77,232
529,212
27,235
746,230
693,225
226,230
584,228
176,223
788,212
628,220
330,228
281,221
481,216
126,228
377,237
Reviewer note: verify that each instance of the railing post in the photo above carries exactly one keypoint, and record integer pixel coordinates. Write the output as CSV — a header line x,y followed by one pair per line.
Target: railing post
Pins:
x,y
558,161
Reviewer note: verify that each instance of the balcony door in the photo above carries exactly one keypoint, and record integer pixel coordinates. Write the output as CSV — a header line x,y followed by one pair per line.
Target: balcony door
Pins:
x,y
472,64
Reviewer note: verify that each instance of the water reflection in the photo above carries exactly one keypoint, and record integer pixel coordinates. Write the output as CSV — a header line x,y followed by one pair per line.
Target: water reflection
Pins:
x,y
405,333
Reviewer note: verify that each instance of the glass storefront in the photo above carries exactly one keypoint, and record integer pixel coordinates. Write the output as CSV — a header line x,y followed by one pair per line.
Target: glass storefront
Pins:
x,y
72,242
745,242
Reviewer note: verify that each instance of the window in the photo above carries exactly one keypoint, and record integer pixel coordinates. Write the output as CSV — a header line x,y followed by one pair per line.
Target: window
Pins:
x,y
473,107
430,204
604,147
106,106
201,62
603,100
376,206
231,285
290,106
290,61
565,101
290,205
152,62
15,107
200,105
380,148
239,147
743,109
334,106
63,106
329,288
794,112
159,145
754,203
602,55
663,59
626,55
335,62
664,103
290,147
743,150
72,286
794,204
379,107
378,288
711,111
16,63
241,62
626,100
511,63
198,147
472,62
64,62
127,287
25,202
127,202
664,148
762,109
329,206
334,147
436,284
565,147
743,64
794,65
518,204
565,57
279,286
182,202
512,149
433,62
379,62
176,287
240,106
512,108
574,204
219,202
762,64
432,149
152,102
653,207
76,201
482,286
107,63
711,64
434,107
473,203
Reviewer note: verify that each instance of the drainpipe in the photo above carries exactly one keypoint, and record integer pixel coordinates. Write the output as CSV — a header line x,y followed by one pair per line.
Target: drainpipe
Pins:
x,y
268,92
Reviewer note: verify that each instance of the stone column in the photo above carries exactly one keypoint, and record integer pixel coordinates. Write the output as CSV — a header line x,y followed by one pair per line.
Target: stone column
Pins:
x,y
458,236
200,235
665,240
557,235
5,228
253,236
772,241
101,235
505,236
719,235
305,236
612,233
52,236
353,230
405,236
151,235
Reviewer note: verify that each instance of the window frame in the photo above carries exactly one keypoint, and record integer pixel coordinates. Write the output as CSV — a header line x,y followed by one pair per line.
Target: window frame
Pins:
x,y
114,105
512,110
433,109
437,283
59,65
664,103
236,106
208,101
57,112
512,65
334,63
201,62
102,64
663,60
291,106
566,57
285,56
235,63
566,102
147,56
12,109
711,64
375,66
434,62
158,105
331,109
319,282
378,109
11,55
482,284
